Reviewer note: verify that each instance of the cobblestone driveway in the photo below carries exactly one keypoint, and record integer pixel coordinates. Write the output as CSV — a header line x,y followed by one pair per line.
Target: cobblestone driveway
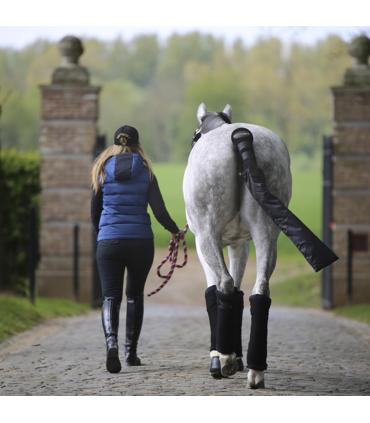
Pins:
x,y
310,353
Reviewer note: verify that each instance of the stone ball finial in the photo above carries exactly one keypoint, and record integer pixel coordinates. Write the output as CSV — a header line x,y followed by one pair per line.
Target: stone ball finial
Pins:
x,y
359,73
71,49
70,72
359,49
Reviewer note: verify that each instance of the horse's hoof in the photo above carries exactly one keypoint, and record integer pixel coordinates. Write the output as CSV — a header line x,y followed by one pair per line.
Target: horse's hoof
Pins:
x,y
215,368
229,365
239,362
255,379
259,385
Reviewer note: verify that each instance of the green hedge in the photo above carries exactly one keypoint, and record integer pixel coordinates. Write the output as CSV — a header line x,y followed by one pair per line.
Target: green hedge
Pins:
x,y
19,192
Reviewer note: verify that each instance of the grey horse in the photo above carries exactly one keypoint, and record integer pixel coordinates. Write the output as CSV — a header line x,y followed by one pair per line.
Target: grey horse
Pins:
x,y
221,212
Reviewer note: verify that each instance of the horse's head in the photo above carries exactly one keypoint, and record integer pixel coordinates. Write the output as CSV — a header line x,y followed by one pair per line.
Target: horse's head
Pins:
x,y
210,120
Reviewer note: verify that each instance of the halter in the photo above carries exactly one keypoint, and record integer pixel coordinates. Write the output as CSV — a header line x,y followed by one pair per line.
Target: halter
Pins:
x,y
199,131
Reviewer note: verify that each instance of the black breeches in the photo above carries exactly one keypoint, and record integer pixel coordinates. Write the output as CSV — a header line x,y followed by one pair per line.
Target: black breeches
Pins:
x,y
113,256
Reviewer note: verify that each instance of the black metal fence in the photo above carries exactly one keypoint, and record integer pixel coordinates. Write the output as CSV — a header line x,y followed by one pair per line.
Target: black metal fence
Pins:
x,y
33,252
327,219
100,145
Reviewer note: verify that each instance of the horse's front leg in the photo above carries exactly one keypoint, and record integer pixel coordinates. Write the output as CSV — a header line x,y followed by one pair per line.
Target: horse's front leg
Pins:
x,y
220,300
265,240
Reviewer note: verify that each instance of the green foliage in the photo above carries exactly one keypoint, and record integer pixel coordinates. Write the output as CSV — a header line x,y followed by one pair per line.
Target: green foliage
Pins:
x,y
19,189
18,314
158,86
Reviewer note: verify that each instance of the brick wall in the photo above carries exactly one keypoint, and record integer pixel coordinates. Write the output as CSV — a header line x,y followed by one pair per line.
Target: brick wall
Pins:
x,y
351,188
67,137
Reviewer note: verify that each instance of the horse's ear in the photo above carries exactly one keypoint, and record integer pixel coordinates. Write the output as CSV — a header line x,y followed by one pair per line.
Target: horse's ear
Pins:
x,y
227,110
201,112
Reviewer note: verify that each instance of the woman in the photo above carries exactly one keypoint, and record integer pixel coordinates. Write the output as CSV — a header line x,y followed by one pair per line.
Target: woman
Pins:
x,y
123,184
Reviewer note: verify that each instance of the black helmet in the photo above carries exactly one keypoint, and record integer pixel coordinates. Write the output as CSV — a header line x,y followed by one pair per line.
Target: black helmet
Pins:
x,y
130,133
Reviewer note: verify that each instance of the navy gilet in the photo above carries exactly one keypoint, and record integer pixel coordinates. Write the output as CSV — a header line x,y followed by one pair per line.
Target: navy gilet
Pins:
x,y
125,199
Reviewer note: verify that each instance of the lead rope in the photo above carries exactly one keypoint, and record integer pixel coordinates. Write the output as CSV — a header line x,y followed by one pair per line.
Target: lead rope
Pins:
x,y
172,258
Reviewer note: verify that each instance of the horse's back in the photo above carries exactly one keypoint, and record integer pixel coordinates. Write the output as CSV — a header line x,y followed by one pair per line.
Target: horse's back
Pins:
x,y
211,186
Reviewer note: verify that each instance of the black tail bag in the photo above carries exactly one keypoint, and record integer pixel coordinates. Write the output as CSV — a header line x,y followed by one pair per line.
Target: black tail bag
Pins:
x,y
317,254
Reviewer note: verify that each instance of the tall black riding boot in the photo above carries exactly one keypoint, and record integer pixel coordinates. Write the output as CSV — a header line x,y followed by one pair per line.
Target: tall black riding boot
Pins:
x,y
110,319
257,348
211,303
225,333
134,321
238,321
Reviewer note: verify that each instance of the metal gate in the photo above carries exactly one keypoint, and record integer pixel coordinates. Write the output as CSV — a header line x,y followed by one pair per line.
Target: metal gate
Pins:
x,y
100,145
327,219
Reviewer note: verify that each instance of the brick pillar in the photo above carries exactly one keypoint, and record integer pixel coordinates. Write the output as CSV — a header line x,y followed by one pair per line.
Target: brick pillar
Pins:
x,y
351,174
68,134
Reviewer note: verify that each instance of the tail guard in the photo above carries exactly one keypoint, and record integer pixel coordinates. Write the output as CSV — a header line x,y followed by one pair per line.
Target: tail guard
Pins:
x,y
317,254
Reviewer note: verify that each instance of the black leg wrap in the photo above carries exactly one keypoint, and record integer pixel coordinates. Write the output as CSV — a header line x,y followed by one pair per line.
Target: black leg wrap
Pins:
x,y
257,348
238,321
211,303
225,320
134,321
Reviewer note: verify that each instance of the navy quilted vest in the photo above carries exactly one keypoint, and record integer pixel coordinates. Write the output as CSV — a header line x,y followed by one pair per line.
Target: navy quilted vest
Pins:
x,y
125,198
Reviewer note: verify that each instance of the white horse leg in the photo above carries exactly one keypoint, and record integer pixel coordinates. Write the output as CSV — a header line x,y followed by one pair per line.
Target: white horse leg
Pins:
x,y
211,304
238,257
211,276
215,267
265,240
219,299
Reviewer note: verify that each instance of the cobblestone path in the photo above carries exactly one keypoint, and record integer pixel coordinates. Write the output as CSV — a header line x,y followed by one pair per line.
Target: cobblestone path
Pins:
x,y
310,353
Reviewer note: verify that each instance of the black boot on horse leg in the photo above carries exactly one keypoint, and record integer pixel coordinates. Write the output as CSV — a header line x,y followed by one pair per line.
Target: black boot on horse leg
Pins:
x,y
134,321
257,348
110,320
211,303
237,327
225,333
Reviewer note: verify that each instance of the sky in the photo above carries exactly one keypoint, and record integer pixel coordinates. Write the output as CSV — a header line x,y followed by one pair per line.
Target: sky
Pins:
x,y
18,37
290,20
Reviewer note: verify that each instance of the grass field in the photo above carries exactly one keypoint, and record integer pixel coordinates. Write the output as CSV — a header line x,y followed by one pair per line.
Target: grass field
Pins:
x,y
306,199
18,314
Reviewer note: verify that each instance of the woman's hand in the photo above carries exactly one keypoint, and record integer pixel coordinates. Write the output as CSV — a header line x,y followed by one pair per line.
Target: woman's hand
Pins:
x,y
175,235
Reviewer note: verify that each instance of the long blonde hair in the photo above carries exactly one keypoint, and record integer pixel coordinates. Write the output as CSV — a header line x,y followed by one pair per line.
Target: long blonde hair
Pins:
x,y
97,172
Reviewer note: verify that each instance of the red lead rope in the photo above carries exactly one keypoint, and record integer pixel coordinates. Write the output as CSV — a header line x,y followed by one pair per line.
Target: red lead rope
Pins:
x,y
172,258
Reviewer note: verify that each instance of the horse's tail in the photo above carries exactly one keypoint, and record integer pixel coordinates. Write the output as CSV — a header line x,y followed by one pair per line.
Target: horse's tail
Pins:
x,y
241,135
317,254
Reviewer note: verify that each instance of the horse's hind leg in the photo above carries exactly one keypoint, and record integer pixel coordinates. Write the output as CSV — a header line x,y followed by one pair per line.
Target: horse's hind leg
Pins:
x,y
238,256
220,303
265,240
